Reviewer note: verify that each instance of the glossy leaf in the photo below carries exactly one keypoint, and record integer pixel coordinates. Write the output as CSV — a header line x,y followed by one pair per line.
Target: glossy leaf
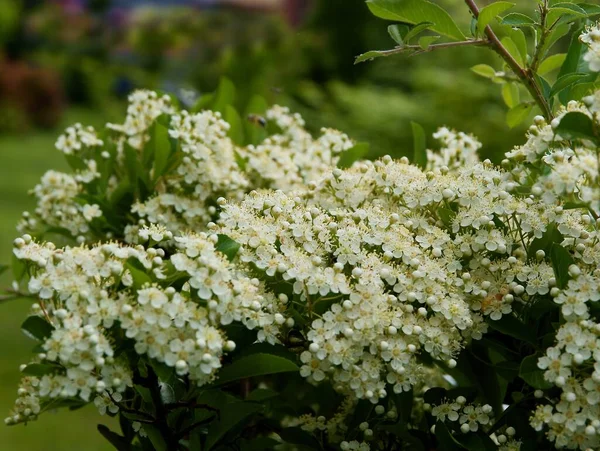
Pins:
x,y
576,125
118,441
227,246
255,365
397,32
37,328
489,13
230,416
533,375
564,82
517,20
417,11
561,260
414,31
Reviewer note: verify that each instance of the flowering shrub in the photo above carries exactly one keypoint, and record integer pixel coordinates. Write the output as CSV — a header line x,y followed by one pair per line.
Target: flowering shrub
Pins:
x,y
240,284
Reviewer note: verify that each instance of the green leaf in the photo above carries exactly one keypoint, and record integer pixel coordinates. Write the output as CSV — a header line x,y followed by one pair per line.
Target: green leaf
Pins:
x,y
254,134
531,374
297,436
561,260
419,145
231,416
517,20
518,114
489,13
512,326
118,441
426,41
37,328
41,369
225,95
510,94
551,63
19,268
139,276
255,365
417,29
262,394
397,32
162,149
513,49
558,32
370,55
227,246
565,9
414,12
484,70
155,437
576,125
236,129
564,82
355,153
446,440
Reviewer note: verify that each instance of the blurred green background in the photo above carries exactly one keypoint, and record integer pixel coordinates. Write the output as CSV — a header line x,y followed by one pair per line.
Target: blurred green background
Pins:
x,y
68,61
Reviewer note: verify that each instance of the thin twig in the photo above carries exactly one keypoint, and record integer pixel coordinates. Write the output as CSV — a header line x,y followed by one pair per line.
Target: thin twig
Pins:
x,y
418,49
525,75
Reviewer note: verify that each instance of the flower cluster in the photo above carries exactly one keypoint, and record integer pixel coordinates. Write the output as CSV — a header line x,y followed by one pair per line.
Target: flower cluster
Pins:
x,y
94,297
197,163
591,38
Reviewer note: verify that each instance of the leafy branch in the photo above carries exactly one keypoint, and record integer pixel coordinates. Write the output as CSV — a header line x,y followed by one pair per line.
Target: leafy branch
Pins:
x,y
526,76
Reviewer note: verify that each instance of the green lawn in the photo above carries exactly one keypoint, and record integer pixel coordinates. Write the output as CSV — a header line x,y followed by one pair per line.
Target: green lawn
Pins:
x,y
23,159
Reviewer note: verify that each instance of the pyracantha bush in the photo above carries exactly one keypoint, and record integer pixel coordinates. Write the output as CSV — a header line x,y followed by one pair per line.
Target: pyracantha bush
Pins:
x,y
220,289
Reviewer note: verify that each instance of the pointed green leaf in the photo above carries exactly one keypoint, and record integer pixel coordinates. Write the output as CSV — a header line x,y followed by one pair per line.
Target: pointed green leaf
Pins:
x,y
37,328
236,129
255,365
41,369
576,125
531,374
225,95
119,442
518,114
489,13
414,12
510,94
513,49
564,82
230,416
414,31
358,152
162,149
551,63
517,20
561,260
227,246
397,32
484,70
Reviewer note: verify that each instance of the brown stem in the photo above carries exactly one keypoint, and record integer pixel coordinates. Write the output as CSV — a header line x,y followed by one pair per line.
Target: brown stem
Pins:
x,y
524,75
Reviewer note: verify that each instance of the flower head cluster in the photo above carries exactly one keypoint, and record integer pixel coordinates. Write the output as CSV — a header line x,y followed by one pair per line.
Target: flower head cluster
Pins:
x,y
94,298
458,150
591,38
175,165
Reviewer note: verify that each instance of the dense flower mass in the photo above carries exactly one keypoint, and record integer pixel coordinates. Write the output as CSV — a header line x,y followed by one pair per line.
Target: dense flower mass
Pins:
x,y
385,275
